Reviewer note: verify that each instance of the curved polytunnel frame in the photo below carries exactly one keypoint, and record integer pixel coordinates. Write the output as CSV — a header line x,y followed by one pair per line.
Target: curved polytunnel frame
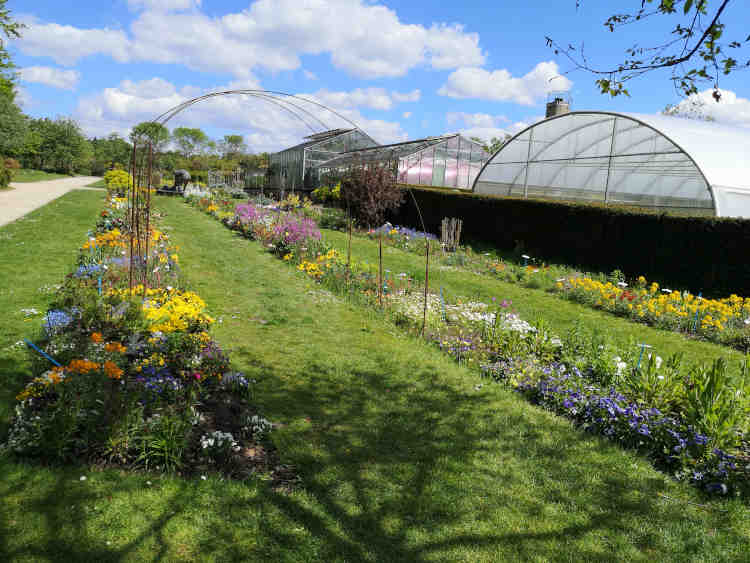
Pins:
x,y
632,159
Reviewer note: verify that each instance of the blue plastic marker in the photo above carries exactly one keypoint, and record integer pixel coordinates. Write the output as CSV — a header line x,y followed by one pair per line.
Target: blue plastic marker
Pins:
x,y
643,347
30,344
697,312
442,304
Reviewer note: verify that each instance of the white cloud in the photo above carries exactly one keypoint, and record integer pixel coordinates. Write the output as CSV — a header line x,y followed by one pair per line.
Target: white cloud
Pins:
x,y
500,85
374,98
269,127
165,5
730,109
66,44
487,126
55,77
413,96
365,39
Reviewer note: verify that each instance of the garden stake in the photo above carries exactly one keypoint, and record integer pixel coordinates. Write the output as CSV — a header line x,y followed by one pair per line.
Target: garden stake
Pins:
x,y
426,262
30,344
380,269
426,284
349,247
442,305
697,312
643,346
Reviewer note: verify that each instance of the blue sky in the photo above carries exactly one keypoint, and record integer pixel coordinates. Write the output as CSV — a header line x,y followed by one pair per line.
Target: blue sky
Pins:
x,y
401,70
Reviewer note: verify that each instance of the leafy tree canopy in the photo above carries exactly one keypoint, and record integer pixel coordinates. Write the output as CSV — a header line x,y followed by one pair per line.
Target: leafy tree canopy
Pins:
x,y
145,131
191,141
697,50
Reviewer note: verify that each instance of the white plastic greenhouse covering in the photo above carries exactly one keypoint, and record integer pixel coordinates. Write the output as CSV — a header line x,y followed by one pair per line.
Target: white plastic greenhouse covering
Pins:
x,y
634,159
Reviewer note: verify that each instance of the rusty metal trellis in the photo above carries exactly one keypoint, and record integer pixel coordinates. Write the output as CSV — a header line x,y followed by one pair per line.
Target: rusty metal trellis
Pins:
x,y
139,213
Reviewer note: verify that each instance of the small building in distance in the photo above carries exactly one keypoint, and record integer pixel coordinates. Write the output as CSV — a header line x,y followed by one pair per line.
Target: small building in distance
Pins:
x,y
451,161
294,169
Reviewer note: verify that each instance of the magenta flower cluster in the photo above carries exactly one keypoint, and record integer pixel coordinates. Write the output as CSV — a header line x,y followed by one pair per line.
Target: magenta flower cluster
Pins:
x,y
291,231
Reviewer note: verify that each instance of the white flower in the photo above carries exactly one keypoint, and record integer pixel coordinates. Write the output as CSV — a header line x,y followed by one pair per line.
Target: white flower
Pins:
x,y
560,279
666,290
526,256
622,284
83,478
747,321
661,377
203,477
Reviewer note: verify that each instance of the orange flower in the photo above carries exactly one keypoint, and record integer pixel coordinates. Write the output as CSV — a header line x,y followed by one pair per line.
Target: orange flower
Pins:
x,y
82,366
115,347
97,337
111,370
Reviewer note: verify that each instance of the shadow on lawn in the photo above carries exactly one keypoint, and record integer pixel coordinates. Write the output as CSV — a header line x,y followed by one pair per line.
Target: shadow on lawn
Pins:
x,y
383,463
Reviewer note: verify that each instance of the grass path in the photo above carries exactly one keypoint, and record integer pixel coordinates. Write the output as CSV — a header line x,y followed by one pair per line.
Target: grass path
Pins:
x,y
532,303
403,460
400,457
29,175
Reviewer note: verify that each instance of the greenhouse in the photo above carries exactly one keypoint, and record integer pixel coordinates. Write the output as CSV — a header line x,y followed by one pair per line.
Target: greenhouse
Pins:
x,y
295,165
641,160
451,161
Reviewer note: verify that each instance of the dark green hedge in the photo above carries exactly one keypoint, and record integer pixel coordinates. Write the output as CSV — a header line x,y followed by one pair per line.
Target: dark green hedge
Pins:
x,y
705,254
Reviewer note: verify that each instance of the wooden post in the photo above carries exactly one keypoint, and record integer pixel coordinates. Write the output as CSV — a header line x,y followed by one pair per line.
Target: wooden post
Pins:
x,y
380,269
426,284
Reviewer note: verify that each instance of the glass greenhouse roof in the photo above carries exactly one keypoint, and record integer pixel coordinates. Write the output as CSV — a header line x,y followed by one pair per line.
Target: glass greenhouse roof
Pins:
x,y
394,151
637,159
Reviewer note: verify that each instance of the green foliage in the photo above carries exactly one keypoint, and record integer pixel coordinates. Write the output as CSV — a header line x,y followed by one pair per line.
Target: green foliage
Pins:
x,y
713,403
688,252
5,176
149,131
190,140
56,145
696,51
117,180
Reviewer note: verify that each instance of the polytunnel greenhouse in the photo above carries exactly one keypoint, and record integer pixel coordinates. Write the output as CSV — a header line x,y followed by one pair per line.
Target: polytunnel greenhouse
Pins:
x,y
633,159
451,161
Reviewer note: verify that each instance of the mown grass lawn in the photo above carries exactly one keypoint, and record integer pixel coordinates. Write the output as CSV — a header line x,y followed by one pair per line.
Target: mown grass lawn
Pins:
x,y
98,184
28,175
531,304
400,457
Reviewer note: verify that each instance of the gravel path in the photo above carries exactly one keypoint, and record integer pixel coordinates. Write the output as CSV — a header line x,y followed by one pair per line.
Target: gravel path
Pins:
x,y
27,196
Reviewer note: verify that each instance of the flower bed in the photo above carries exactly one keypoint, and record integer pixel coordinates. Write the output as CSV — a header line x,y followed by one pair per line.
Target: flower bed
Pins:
x,y
724,321
691,420
132,376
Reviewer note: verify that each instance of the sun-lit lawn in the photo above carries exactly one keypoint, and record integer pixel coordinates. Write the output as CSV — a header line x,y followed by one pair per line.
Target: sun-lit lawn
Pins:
x,y
27,175
400,456
98,184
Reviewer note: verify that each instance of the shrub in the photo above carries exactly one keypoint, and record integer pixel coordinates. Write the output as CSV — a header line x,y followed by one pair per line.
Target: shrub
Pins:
x,y
12,164
5,176
117,180
369,192
698,253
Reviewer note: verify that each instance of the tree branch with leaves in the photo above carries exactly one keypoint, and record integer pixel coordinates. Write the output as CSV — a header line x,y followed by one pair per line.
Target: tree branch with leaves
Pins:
x,y
696,52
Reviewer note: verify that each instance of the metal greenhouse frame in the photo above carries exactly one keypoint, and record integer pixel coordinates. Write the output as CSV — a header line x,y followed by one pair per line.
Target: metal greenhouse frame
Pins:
x,y
451,161
641,160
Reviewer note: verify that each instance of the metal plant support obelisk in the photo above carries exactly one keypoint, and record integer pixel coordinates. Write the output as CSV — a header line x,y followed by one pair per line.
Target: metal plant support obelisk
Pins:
x,y
139,213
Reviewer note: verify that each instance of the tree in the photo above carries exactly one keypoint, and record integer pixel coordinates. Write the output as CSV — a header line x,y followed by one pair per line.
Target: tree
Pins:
x,y
108,152
696,50
57,145
146,131
494,145
369,191
191,141
232,147
13,124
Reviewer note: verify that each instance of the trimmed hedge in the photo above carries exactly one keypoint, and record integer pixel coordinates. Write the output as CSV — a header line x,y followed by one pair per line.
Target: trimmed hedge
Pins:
x,y
703,254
